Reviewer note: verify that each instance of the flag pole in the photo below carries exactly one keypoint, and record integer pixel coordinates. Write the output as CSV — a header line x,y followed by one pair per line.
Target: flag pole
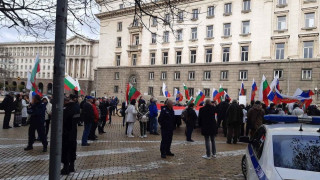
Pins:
x,y
58,89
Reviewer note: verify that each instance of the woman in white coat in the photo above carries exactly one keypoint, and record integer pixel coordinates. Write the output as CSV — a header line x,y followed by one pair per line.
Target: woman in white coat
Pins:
x,y
131,114
24,114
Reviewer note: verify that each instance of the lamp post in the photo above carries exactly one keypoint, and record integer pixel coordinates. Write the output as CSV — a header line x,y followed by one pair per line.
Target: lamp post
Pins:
x,y
316,91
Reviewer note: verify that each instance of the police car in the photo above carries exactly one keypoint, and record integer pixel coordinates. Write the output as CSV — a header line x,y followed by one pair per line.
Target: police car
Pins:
x,y
287,150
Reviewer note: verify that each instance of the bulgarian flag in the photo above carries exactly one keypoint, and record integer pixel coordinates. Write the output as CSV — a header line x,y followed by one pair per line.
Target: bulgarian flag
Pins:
x,y
79,88
186,91
199,98
220,94
264,91
32,76
190,100
70,83
132,93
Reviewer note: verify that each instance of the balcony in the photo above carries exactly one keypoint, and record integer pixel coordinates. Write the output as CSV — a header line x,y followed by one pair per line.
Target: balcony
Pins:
x,y
134,48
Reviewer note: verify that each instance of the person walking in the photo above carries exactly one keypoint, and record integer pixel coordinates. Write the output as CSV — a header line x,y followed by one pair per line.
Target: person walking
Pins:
x,y
71,116
255,117
37,117
24,113
191,118
46,101
103,112
222,115
234,121
87,117
208,126
131,114
17,104
7,106
143,119
167,123
153,117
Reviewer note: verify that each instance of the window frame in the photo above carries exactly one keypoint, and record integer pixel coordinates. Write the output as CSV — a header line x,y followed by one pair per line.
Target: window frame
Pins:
x,y
151,75
210,11
191,75
193,56
209,31
163,75
209,55
152,58
226,30
176,75
207,75
308,48
281,51
308,73
277,72
165,57
244,54
224,57
178,57
194,33
243,73
224,75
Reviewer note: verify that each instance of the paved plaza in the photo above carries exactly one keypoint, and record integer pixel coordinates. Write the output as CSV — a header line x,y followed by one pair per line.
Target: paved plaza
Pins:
x,y
114,156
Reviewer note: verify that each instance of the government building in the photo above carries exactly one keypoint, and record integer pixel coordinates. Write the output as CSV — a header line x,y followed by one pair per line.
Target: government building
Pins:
x,y
81,58
209,43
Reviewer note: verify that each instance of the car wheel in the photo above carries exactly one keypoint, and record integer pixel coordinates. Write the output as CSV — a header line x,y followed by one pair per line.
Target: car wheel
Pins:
x,y
244,166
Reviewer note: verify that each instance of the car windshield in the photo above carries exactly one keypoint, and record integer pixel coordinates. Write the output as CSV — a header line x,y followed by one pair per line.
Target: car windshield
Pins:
x,y
297,152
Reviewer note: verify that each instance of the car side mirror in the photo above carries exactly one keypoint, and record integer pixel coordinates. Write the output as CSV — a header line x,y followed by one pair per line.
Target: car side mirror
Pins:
x,y
244,139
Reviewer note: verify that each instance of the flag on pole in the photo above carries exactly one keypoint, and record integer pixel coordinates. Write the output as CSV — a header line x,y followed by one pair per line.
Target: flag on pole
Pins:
x,y
241,93
199,98
32,77
191,100
253,90
264,90
214,93
133,93
220,94
226,96
70,83
79,88
178,95
186,91
165,91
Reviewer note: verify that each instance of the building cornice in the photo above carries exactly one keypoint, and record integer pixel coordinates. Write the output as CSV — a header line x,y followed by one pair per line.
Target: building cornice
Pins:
x,y
216,64
132,9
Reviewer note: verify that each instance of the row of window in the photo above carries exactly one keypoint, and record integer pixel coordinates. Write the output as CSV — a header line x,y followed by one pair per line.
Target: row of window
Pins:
x,y
30,67
309,21
24,75
24,61
306,74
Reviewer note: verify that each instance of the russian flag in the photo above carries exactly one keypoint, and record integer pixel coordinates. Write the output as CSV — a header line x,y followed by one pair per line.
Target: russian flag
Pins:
x,y
226,96
165,91
178,95
214,93
253,90
278,85
241,93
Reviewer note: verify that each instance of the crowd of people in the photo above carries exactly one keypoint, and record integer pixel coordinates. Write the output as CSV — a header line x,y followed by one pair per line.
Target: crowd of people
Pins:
x,y
235,119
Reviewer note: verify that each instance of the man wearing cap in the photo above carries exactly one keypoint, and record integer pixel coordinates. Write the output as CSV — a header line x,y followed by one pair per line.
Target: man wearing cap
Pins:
x,y
87,117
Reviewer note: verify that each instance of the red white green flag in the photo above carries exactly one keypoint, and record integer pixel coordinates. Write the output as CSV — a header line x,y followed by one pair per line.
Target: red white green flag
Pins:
x,y
264,90
70,83
79,88
186,91
32,76
132,93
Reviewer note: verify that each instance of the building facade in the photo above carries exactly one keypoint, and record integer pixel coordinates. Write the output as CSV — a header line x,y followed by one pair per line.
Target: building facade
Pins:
x,y
208,43
81,57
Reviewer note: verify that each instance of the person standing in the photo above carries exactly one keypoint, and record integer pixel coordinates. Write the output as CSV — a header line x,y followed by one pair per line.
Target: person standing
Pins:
x,y
17,104
255,117
143,119
208,125
103,112
244,111
71,113
167,123
222,115
87,117
110,101
131,114
37,117
7,106
153,117
24,113
96,112
123,113
234,121
191,118
46,101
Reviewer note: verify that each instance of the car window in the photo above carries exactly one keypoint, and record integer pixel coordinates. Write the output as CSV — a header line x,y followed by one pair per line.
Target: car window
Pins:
x,y
297,152
258,141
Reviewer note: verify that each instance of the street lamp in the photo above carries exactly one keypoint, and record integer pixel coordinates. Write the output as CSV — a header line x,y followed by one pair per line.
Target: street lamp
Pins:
x,y
316,91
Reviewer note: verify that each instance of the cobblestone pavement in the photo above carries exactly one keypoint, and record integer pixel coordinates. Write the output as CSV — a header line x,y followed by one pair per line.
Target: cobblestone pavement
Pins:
x,y
114,156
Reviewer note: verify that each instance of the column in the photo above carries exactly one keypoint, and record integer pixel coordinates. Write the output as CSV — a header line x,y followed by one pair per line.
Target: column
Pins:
x,y
85,68
80,51
89,51
88,68
74,49
67,66
73,67
79,67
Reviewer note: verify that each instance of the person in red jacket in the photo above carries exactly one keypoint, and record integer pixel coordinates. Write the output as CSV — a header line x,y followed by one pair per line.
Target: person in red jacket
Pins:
x,y
92,135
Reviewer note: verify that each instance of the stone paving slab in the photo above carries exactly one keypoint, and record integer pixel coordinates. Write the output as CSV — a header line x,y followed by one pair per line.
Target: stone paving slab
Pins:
x,y
114,156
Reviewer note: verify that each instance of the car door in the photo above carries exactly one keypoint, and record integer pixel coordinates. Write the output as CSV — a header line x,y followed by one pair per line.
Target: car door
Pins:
x,y
255,150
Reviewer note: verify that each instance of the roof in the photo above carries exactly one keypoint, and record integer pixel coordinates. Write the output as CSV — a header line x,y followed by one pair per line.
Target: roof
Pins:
x,y
293,129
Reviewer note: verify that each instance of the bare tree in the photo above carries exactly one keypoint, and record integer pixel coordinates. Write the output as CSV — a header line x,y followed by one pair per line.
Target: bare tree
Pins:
x,y
8,68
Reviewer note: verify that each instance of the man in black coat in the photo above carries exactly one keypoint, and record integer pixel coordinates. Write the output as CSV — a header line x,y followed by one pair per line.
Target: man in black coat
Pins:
x,y
234,121
190,121
87,116
208,125
103,113
71,114
7,106
37,119
166,121
222,115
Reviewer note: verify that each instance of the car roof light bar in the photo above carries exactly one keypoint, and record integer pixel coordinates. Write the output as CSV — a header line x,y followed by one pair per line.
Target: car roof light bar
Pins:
x,y
292,119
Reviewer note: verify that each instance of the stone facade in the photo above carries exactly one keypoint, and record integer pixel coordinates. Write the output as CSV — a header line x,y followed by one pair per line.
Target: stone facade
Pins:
x,y
264,37
81,59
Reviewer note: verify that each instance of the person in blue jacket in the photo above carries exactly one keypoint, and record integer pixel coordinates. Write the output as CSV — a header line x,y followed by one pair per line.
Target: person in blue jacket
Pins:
x,y
167,123
37,118
153,117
